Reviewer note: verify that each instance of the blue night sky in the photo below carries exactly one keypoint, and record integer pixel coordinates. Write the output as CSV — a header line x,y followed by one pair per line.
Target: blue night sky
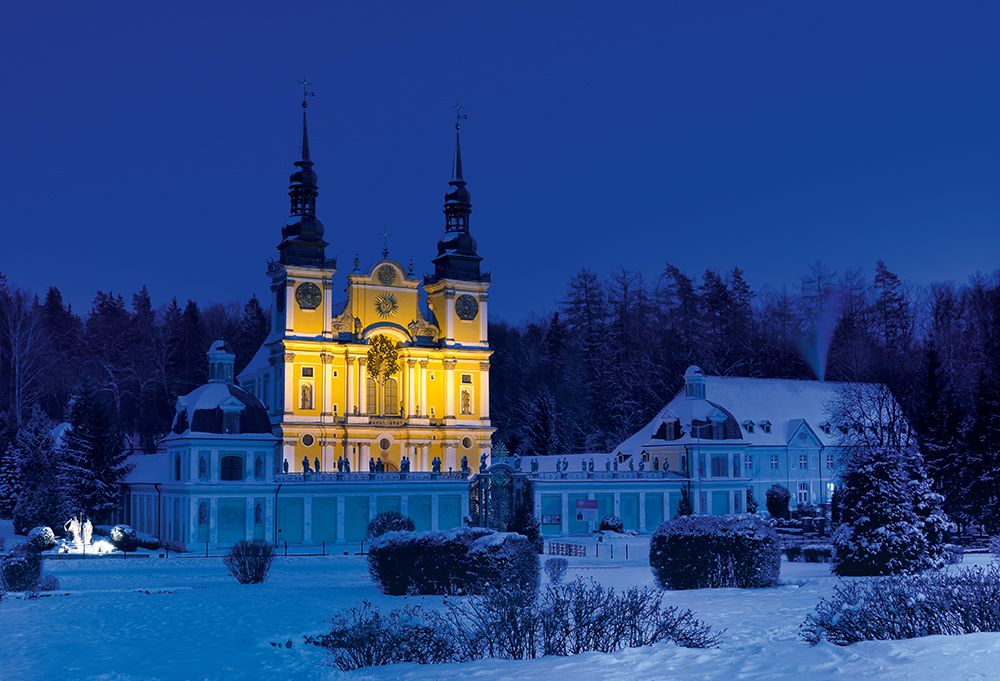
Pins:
x,y
151,143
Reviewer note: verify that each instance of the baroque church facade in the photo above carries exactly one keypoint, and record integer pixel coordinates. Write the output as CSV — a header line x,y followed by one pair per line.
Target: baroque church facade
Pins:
x,y
331,400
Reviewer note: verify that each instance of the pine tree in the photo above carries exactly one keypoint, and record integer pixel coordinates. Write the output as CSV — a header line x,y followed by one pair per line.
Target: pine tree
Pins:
x,y
40,499
685,507
891,521
94,456
251,333
10,481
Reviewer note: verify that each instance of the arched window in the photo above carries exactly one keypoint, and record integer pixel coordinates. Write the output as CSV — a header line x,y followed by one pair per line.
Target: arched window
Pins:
x,y
232,468
372,396
391,397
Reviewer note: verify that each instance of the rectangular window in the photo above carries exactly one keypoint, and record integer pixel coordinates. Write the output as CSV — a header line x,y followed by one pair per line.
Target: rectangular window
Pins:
x,y
467,378
231,422
829,460
307,372
334,408
774,462
748,463
736,467
335,374
803,461
803,496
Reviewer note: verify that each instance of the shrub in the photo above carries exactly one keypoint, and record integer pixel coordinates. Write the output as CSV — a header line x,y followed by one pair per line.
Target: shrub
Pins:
x,y
696,552
818,553
509,623
751,501
389,521
48,583
953,554
995,546
524,522
555,568
793,552
451,562
612,523
124,538
434,562
40,539
898,607
250,561
362,637
21,569
777,501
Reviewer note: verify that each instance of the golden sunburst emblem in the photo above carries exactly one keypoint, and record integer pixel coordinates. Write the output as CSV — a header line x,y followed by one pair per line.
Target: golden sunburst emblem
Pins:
x,y
386,305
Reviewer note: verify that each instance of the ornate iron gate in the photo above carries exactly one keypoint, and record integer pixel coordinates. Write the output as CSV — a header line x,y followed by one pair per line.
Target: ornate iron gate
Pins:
x,y
495,494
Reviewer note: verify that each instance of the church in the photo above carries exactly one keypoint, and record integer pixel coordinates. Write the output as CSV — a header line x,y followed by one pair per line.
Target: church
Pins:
x,y
378,402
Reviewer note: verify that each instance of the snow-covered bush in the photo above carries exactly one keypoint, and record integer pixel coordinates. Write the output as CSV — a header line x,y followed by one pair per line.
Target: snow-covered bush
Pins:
x,y
145,540
697,552
953,554
555,568
21,569
777,501
504,560
389,521
898,607
363,637
995,546
817,553
509,624
48,583
434,562
524,522
41,538
612,523
250,561
751,501
793,552
124,538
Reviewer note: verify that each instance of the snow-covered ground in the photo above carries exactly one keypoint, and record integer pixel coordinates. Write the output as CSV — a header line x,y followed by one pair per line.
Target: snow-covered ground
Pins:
x,y
186,618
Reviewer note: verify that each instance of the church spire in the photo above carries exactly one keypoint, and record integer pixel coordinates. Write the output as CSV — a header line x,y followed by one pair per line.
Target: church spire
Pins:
x,y
302,236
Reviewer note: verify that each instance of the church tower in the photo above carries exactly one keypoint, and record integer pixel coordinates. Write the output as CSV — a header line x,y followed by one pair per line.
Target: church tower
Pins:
x,y
373,378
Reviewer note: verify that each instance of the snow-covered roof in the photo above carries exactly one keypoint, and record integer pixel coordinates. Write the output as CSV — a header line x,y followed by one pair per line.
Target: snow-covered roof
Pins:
x,y
258,363
783,403
148,468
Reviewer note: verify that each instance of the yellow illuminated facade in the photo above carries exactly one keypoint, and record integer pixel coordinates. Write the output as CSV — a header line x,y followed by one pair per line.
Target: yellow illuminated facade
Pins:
x,y
312,373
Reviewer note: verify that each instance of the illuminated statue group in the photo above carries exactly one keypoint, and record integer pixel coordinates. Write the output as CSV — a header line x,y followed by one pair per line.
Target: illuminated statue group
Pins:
x,y
81,534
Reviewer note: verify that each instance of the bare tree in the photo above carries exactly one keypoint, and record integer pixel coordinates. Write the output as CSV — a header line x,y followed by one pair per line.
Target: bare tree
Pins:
x,y
25,344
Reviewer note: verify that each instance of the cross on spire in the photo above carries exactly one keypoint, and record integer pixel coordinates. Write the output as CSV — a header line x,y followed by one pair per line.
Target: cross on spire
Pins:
x,y
459,115
306,93
385,242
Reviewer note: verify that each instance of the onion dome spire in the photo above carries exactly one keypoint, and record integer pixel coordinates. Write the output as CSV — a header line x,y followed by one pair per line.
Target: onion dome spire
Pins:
x,y
457,257
302,236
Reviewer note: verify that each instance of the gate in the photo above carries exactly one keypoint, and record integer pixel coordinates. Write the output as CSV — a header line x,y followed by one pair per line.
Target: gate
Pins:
x,y
495,494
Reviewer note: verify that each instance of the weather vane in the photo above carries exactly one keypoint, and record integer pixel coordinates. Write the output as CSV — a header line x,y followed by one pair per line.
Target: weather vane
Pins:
x,y
460,116
385,242
306,93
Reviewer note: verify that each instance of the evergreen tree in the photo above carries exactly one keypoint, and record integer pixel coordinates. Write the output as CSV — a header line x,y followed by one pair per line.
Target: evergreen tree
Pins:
x,y
250,334
94,460
777,500
685,507
10,480
751,501
540,435
40,499
879,532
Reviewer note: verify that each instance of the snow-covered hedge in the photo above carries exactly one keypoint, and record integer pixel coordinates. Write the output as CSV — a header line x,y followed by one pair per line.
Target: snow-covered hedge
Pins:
x,y
612,523
450,561
124,538
21,569
389,521
146,540
697,552
41,538
898,607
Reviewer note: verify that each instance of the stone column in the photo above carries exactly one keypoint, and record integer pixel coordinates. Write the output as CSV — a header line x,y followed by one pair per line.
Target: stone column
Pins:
x,y
327,394
411,396
425,457
364,456
363,385
450,461
289,303
484,391
449,317
327,307
425,409
288,372
307,524
349,381
449,388
483,324
328,459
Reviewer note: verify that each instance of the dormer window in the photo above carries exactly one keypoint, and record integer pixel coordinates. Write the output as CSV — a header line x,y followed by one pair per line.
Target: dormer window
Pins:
x,y
825,427
748,426
765,426
231,422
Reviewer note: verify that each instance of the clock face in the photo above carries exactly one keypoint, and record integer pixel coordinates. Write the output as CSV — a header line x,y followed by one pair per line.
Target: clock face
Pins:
x,y
386,305
308,296
466,307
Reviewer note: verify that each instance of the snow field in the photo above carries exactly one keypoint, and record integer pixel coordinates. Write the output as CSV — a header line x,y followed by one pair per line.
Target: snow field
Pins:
x,y
197,622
